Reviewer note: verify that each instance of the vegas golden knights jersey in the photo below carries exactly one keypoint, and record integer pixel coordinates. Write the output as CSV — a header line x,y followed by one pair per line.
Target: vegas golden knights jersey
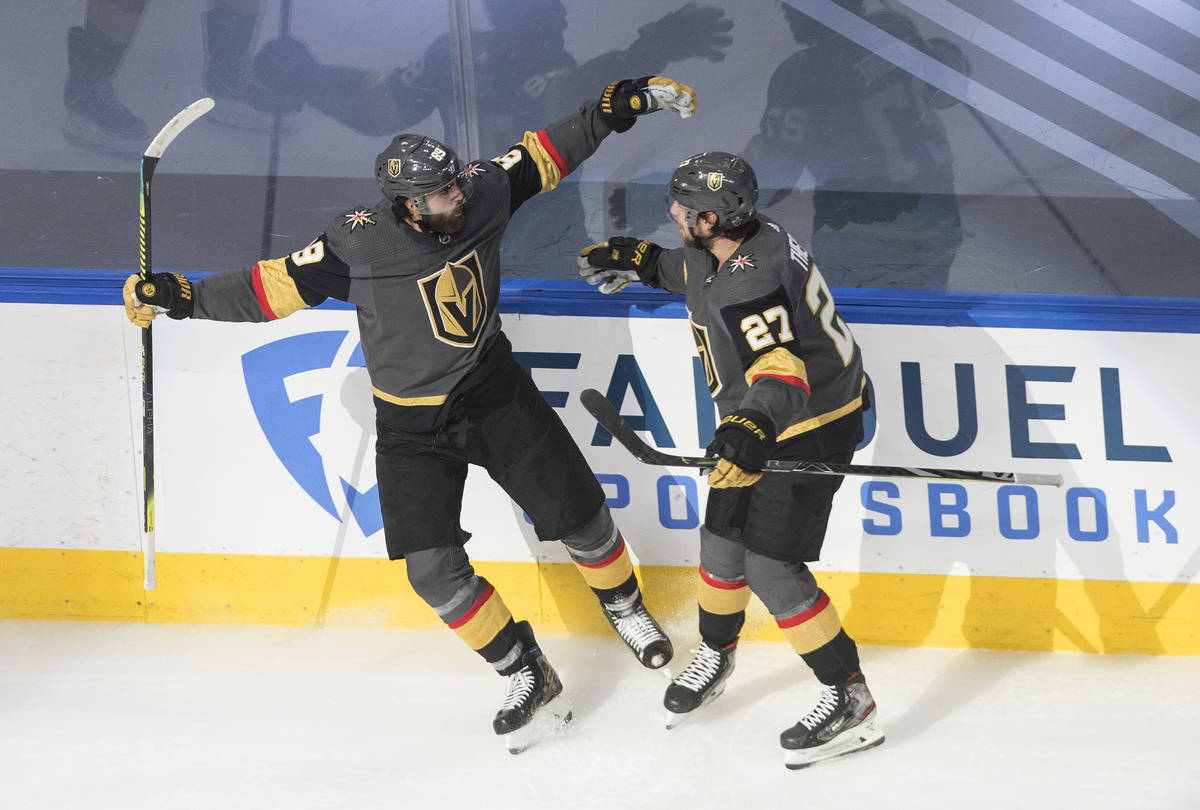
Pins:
x,y
770,338
427,303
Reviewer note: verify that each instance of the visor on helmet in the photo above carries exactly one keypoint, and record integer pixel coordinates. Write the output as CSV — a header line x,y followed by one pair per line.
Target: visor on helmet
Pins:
x,y
448,197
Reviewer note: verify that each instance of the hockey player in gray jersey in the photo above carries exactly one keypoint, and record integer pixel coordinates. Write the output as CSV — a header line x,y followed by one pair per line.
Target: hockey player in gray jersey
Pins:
x,y
422,269
788,381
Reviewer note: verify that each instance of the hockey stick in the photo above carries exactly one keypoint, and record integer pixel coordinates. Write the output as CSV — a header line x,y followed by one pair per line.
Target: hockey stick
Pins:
x,y
150,160
608,417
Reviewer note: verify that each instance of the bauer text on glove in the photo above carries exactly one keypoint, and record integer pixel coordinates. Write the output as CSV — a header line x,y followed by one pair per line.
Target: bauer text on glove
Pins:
x,y
616,262
741,441
624,100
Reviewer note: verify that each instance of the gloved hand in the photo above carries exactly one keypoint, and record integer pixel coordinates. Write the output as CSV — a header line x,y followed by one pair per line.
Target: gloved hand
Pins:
x,y
616,262
623,100
742,441
158,292
691,31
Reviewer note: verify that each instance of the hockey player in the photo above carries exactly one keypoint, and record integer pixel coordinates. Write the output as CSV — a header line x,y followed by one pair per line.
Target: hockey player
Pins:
x,y
788,381
422,268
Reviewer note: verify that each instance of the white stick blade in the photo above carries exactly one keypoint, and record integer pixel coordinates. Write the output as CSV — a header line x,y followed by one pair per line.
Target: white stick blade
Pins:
x,y
1040,479
176,125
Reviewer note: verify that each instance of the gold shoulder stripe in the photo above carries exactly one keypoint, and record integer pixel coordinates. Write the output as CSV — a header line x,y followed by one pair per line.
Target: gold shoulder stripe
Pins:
x,y
547,166
434,400
278,289
779,362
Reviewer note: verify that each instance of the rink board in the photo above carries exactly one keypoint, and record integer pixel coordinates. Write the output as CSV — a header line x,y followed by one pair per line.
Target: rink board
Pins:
x,y
267,511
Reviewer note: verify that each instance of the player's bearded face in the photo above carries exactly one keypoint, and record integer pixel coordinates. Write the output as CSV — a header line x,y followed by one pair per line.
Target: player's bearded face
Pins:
x,y
446,209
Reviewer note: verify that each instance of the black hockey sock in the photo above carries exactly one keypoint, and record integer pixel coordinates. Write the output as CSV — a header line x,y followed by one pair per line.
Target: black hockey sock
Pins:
x,y
623,591
721,629
835,661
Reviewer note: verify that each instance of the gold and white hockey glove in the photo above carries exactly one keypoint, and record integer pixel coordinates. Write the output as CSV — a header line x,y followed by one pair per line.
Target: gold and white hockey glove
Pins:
x,y
622,101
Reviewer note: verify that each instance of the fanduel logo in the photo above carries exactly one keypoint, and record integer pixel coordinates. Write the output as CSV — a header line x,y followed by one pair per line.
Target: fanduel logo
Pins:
x,y
321,440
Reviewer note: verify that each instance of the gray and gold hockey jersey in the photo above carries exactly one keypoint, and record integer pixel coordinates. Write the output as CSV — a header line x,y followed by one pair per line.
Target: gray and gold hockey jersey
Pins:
x,y
427,303
769,335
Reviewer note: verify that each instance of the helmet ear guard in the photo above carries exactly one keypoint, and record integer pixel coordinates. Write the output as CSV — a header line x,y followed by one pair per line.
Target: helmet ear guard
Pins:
x,y
719,182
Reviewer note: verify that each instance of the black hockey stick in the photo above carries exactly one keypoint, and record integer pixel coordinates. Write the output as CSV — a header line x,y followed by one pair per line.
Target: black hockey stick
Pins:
x,y
150,160
608,417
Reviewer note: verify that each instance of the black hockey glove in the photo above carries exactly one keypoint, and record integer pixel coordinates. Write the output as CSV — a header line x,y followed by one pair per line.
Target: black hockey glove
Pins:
x,y
742,441
615,263
624,100
158,292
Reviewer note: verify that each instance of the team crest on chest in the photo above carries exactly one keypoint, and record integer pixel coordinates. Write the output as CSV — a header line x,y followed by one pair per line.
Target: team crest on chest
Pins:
x,y
742,261
456,301
358,219
473,170
704,352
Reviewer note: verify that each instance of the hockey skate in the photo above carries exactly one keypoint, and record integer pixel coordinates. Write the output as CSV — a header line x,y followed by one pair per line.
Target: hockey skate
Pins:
x,y
534,706
701,681
639,631
842,722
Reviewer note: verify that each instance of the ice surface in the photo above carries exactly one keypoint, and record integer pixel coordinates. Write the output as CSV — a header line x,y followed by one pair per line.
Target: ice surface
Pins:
x,y
103,715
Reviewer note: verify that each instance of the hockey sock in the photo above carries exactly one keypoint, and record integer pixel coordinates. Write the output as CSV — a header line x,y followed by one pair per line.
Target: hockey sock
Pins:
x,y
609,573
486,625
815,633
722,607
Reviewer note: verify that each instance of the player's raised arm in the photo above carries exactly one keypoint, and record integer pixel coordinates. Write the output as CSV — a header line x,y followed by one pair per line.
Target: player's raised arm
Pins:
x,y
541,159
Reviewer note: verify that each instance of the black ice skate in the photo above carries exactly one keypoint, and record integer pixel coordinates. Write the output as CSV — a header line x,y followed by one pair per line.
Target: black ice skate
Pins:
x,y
842,722
700,682
639,631
533,706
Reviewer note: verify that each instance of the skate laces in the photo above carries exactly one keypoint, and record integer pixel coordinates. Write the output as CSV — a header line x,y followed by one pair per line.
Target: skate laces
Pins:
x,y
520,687
826,705
703,668
636,628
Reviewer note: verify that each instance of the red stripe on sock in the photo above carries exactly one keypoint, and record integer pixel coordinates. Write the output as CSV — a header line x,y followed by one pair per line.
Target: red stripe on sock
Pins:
x,y
486,595
712,581
805,615
261,294
609,560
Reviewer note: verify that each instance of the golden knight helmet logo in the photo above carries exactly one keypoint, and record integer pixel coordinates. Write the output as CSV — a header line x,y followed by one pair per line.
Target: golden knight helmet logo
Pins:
x,y
715,181
393,167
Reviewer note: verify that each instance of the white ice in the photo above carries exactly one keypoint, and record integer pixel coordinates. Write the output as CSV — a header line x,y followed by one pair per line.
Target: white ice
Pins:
x,y
102,715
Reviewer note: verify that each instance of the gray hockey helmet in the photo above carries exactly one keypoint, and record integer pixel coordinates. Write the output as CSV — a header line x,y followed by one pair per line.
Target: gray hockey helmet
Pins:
x,y
718,182
413,166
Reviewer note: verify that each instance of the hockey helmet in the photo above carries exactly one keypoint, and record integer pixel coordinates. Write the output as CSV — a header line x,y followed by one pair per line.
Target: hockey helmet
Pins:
x,y
718,182
414,167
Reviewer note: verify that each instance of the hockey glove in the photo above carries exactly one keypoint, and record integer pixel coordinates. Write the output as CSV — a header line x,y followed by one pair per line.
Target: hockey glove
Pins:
x,y
615,263
742,440
158,292
624,100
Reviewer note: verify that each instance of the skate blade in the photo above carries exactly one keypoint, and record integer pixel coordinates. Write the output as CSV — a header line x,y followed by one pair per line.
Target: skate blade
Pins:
x,y
860,738
675,720
549,721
